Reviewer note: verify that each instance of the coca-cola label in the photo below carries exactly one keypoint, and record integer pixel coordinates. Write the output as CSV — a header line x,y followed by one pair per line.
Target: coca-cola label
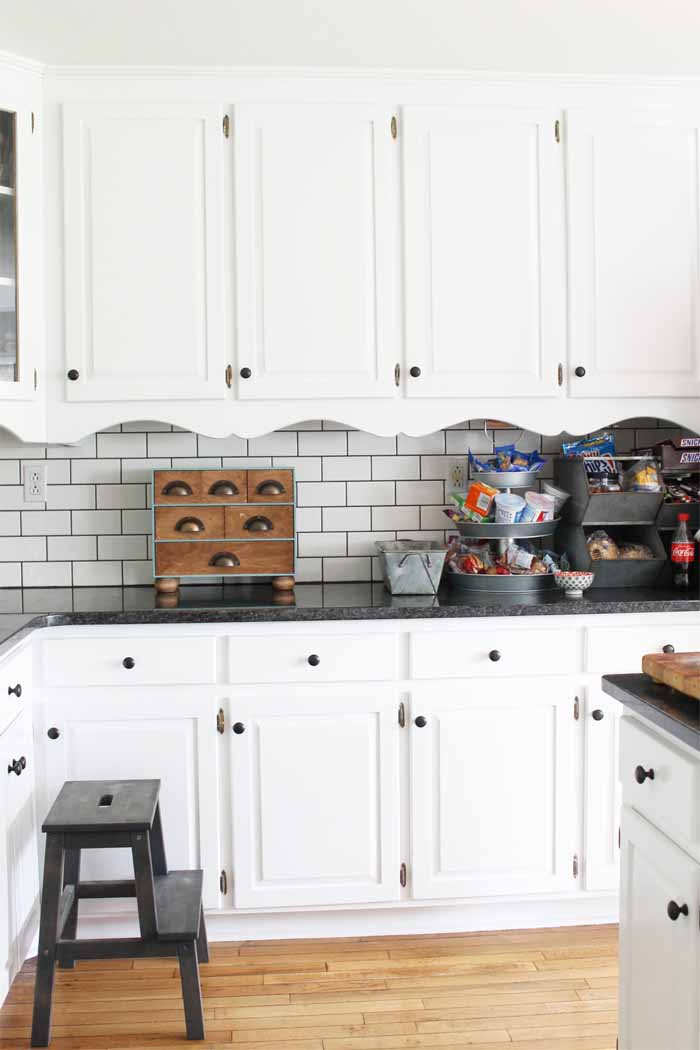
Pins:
x,y
682,552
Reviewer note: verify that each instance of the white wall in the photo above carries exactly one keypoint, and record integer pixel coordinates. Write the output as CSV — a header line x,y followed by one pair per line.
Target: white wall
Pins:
x,y
541,36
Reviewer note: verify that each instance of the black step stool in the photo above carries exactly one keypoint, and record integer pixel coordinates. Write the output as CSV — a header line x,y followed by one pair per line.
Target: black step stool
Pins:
x,y
109,814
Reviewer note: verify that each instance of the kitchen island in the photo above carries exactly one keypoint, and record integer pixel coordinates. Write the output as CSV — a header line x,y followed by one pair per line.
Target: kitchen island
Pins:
x,y
660,883
348,764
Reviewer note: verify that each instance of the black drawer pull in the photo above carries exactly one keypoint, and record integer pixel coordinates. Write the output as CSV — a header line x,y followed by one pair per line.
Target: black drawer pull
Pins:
x,y
246,373
494,656
674,910
580,371
597,715
129,663
641,774
53,733
16,689
414,372
238,728
314,660
73,374
17,765
421,721
669,649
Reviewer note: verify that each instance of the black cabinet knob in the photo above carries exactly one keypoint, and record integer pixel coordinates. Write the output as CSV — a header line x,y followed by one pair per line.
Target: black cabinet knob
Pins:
x,y
128,662
415,371
494,656
17,766
669,649
53,733
73,374
16,689
246,373
238,728
580,371
641,774
421,721
597,715
673,910
314,660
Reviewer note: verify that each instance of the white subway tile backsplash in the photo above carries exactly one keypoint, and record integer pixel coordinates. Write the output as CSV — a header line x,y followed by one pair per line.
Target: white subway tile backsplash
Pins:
x,y
353,488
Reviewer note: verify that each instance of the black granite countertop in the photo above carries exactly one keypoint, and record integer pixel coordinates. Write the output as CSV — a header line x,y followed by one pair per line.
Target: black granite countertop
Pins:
x,y
35,607
665,707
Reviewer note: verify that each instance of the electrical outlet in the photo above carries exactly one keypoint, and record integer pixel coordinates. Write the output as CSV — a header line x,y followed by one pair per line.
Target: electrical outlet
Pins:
x,y
35,482
457,473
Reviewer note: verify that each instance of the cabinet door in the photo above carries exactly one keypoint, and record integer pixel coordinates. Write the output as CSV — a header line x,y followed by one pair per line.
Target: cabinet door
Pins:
x,y
315,796
659,970
602,792
17,753
143,251
484,251
492,789
633,241
316,251
125,736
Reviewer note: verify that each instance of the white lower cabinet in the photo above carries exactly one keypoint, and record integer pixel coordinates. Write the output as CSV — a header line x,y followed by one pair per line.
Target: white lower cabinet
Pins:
x,y
659,955
492,788
19,877
134,734
315,795
602,791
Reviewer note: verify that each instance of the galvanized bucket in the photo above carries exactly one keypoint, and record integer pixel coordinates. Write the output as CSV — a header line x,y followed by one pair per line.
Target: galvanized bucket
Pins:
x,y
411,566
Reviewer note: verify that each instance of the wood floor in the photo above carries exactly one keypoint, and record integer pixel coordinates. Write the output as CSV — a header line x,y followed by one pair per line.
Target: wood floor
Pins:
x,y
537,989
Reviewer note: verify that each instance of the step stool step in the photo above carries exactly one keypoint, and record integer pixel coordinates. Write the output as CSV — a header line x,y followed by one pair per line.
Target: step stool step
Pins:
x,y
178,905
104,805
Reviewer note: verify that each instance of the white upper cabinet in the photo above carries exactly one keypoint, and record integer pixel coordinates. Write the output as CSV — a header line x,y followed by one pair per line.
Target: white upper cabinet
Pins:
x,y
484,251
634,243
144,261
492,792
316,251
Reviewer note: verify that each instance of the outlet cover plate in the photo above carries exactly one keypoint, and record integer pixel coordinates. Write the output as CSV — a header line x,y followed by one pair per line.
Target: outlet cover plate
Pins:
x,y
34,480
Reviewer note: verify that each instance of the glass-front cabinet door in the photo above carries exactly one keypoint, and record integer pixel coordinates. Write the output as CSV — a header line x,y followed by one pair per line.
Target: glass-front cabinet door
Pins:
x,y
9,367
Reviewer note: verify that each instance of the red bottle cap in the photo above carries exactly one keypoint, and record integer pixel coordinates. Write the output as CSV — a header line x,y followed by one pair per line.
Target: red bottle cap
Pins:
x,y
684,517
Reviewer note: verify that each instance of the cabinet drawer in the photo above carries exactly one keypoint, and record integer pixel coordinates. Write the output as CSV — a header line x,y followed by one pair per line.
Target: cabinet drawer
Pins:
x,y
254,558
224,486
312,658
184,487
670,800
108,661
620,650
15,675
270,486
244,522
497,652
183,523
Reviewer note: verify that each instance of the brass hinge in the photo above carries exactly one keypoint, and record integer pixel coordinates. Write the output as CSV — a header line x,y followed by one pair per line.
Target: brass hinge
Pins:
x,y
575,866
226,125
223,883
403,875
577,709
557,131
397,375
394,127
36,379
402,715
619,838
228,375
33,122
560,374
220,720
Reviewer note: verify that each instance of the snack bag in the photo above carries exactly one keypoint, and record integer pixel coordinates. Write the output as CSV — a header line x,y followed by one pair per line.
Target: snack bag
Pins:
x,y
478,504
642,477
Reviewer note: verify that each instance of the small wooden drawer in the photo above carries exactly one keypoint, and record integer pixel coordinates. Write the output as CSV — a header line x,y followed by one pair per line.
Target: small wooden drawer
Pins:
x,y
670,796
259,522
494,653
225,558
273,657
270,486
127,661
182,487
221,486
196,523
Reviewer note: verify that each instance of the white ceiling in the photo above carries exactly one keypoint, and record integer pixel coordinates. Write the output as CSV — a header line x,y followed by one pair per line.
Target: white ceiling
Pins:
x,y
546,36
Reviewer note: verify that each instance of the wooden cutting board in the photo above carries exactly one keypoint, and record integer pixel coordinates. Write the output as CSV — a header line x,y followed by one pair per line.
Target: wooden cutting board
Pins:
x,y
679,670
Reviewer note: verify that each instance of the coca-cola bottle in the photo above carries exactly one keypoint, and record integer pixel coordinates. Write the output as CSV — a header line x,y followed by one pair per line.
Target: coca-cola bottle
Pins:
x,y
682,551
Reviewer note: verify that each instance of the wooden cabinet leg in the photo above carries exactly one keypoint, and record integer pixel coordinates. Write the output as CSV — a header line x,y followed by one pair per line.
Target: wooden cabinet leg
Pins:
x,y
167,584
48,931
191,990
283,583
